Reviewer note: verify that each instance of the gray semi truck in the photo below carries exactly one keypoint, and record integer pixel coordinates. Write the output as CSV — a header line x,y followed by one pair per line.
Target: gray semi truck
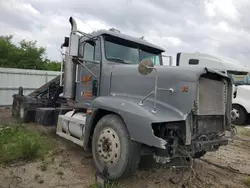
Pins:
x,y
116,99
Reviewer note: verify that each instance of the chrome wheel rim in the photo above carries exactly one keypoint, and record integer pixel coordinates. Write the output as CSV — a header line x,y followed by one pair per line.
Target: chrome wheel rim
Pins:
x,y
235,114
21,111
109,146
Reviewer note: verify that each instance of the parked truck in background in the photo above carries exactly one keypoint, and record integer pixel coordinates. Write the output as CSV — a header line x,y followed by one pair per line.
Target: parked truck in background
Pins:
x,y
238,73
116,99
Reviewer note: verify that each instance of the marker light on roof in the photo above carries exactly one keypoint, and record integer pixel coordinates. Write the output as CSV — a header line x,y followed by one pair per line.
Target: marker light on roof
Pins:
x,y
115,30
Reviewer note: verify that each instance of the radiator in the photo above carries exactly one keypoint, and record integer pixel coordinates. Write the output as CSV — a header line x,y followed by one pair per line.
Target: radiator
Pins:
x,y
211,97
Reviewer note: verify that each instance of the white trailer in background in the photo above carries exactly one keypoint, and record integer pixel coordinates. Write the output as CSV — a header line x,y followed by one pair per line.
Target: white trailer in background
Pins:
x,y
239,74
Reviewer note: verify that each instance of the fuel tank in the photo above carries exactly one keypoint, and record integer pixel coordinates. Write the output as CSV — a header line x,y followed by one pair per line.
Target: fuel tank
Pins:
x,y
76,129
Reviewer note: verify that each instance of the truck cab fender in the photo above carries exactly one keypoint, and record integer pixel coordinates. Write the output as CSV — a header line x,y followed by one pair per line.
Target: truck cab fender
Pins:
x,y
242,98
138,119
245,104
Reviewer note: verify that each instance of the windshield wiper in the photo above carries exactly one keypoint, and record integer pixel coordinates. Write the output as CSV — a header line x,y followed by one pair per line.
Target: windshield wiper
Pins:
x,y
118,60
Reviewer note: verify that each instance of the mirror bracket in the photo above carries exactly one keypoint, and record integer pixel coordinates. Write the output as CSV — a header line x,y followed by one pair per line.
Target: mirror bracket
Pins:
x,y
145,67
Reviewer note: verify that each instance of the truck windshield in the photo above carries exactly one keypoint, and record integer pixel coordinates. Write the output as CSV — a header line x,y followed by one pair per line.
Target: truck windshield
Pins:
x,y
240,79
128,54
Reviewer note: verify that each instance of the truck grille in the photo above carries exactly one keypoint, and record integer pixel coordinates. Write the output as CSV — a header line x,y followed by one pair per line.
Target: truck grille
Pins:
x,y
211,97
210,106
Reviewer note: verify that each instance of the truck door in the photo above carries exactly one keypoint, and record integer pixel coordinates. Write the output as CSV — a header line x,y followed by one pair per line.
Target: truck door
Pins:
x,y
88,73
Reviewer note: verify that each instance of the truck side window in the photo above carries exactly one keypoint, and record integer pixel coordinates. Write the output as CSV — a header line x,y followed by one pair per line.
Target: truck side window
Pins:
x,y
98,56
88,53
92,51
155,58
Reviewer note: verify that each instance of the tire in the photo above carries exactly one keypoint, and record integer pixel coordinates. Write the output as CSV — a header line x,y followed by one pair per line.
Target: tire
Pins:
x,y
123,159
239,115
24,115
15,108
199,154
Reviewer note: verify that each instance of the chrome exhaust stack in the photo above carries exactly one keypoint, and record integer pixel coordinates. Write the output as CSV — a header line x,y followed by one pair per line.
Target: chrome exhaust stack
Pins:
x,y
72,44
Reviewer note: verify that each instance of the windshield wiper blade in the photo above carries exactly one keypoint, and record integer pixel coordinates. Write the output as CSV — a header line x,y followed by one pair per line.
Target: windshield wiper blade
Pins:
x,y
118,60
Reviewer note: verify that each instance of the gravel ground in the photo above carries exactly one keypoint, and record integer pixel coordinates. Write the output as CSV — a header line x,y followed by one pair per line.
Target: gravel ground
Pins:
x,y
70,166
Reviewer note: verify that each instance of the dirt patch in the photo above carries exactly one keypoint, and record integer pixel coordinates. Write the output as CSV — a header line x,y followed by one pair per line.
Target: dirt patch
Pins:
x,y
5,116
70,166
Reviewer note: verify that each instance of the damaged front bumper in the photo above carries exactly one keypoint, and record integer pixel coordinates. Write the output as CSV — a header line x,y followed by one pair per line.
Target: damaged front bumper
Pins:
x,y
213,145
210,145
164,156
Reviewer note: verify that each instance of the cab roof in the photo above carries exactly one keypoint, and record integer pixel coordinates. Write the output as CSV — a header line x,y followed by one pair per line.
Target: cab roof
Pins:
x,y
126,37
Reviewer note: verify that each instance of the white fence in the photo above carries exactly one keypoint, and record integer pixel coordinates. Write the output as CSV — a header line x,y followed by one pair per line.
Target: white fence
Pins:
x,y
12,79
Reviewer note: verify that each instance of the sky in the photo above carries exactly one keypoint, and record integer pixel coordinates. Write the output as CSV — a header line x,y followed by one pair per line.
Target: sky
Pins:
x,y
217,27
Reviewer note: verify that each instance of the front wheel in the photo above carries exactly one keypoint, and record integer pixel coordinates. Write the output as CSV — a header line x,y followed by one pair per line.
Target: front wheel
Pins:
x,y
238,115
113,149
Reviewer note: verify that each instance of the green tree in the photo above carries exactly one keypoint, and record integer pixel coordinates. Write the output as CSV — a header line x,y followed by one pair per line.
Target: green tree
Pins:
x,y
52,65
26,56
7,51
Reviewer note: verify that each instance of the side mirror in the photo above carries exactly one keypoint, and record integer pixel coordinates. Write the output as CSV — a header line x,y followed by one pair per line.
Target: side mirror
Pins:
x,y
66,42
145,67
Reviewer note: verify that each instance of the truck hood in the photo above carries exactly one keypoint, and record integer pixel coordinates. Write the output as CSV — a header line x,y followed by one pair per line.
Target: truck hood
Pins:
x,y
126,82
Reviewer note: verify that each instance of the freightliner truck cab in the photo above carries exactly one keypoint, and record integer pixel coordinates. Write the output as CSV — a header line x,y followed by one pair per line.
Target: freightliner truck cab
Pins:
x,y
123,103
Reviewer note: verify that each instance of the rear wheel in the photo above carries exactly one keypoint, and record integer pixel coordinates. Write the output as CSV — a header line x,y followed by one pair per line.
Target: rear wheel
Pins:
x,y
238,115
21,113
15,108
113,149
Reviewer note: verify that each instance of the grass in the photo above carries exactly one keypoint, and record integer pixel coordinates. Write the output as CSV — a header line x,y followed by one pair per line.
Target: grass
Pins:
x,y
246,133
242,131
19,143
247,181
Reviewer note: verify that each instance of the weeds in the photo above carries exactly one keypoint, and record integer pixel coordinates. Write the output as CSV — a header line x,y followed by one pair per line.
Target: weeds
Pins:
x,y
247,181
43,167
60,173
19,143
242,131
246,133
